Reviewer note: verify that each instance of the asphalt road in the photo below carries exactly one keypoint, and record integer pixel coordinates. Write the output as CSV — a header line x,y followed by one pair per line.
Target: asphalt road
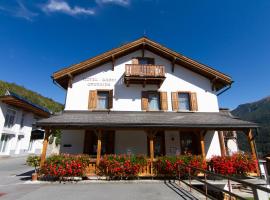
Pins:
x,y
14,186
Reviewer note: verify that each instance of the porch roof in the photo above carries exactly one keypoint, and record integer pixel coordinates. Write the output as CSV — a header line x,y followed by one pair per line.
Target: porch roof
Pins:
x,y
132,119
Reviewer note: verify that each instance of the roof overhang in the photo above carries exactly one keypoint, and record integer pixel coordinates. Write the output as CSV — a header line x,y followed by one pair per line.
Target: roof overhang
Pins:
x,y
219,79
144,120
19,103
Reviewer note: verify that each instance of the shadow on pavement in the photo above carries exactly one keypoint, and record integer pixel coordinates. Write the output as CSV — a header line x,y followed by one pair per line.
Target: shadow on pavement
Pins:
x,y
181,192
26,175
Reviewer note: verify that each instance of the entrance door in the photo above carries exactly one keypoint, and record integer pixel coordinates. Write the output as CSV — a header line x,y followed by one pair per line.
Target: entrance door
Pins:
x,y
107,142
159,144
4,143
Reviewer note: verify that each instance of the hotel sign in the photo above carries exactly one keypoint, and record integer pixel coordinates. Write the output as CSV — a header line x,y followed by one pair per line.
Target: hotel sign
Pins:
x,y
100,82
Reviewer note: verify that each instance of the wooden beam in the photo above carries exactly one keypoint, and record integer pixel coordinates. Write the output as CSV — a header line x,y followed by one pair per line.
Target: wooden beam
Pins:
x,y
70,80
99,135
221,143
253,149
44,148
213,83
143,47
113,62
173,63
202,134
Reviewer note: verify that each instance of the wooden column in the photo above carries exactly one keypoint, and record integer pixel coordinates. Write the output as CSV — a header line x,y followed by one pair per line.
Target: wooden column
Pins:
x,y
221,143
202,134
253,149
44,148
99,135
151,145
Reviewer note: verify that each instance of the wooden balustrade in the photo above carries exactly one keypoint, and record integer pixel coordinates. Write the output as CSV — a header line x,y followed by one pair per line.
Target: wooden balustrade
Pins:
x,y
145,170
145,70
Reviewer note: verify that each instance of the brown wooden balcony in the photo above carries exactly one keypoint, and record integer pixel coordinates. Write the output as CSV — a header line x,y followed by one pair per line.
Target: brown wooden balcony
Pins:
x,y
144,74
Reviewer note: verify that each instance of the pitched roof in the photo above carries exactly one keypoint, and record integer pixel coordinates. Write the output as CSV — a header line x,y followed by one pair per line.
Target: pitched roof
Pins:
x,y
133,119
221,80
16,100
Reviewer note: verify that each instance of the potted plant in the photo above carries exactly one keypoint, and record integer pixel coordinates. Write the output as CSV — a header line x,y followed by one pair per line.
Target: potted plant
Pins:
x,y
33,161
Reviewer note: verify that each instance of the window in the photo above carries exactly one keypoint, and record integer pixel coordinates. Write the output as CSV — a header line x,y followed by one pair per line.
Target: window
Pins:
x,y
4,142
100,99
146,61
103,100
10,118
189,143
22,121
184,101
153,101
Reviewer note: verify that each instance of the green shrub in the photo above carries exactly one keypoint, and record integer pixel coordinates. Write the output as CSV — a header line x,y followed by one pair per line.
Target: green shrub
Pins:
x,y
33,161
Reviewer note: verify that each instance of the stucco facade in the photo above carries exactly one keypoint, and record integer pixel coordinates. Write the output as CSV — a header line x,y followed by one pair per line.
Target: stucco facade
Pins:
x,y
129,99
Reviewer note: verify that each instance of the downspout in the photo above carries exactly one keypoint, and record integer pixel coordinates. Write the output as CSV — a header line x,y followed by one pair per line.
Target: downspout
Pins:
x,y
227,88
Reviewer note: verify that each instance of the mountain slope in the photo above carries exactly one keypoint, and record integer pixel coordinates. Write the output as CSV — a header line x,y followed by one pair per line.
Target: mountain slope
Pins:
x,y
258,112
32,96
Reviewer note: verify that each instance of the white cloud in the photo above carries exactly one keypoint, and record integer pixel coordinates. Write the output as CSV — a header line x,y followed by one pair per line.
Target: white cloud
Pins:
x,y
118,2
24,12
19,10
64,7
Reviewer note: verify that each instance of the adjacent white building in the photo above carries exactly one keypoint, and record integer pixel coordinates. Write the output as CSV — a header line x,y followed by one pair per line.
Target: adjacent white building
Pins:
x,y
18,132
143,98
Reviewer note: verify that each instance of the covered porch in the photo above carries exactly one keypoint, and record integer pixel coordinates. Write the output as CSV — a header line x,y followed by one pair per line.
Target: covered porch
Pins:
x,y
152,134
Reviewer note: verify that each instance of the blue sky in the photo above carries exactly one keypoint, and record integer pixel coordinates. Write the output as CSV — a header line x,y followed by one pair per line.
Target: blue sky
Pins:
x,y
38,37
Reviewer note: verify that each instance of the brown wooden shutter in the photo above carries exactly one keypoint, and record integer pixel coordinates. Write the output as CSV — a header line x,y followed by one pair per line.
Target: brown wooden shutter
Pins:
x,y
193,101
135,61
175,101
110,99
163,100
144,100
92,100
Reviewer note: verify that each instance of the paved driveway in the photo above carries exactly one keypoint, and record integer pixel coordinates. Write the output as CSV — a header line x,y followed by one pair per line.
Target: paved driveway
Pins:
x,y
15,187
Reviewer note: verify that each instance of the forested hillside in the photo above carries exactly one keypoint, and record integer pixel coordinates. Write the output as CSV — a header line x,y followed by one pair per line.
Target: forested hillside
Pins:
x,y
258,112
31,96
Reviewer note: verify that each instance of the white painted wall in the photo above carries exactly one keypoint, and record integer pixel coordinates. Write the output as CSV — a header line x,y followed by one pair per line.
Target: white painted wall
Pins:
x,y
75,138
212,147
129,98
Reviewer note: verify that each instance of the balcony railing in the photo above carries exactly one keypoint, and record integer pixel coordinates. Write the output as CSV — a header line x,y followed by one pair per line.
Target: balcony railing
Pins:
x,y
136,70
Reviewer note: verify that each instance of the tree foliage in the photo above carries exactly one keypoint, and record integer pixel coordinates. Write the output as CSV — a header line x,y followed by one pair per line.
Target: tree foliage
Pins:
x,y
32,96
258,112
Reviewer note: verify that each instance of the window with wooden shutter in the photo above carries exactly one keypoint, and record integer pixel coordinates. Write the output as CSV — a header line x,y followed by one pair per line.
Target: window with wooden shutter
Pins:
x,y
175,101
163,101
144,100
193,101
92,100
110,99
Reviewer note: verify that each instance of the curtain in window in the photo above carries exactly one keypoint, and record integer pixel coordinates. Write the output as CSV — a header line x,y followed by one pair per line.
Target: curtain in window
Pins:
x,y
183,101
103,100
153,101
